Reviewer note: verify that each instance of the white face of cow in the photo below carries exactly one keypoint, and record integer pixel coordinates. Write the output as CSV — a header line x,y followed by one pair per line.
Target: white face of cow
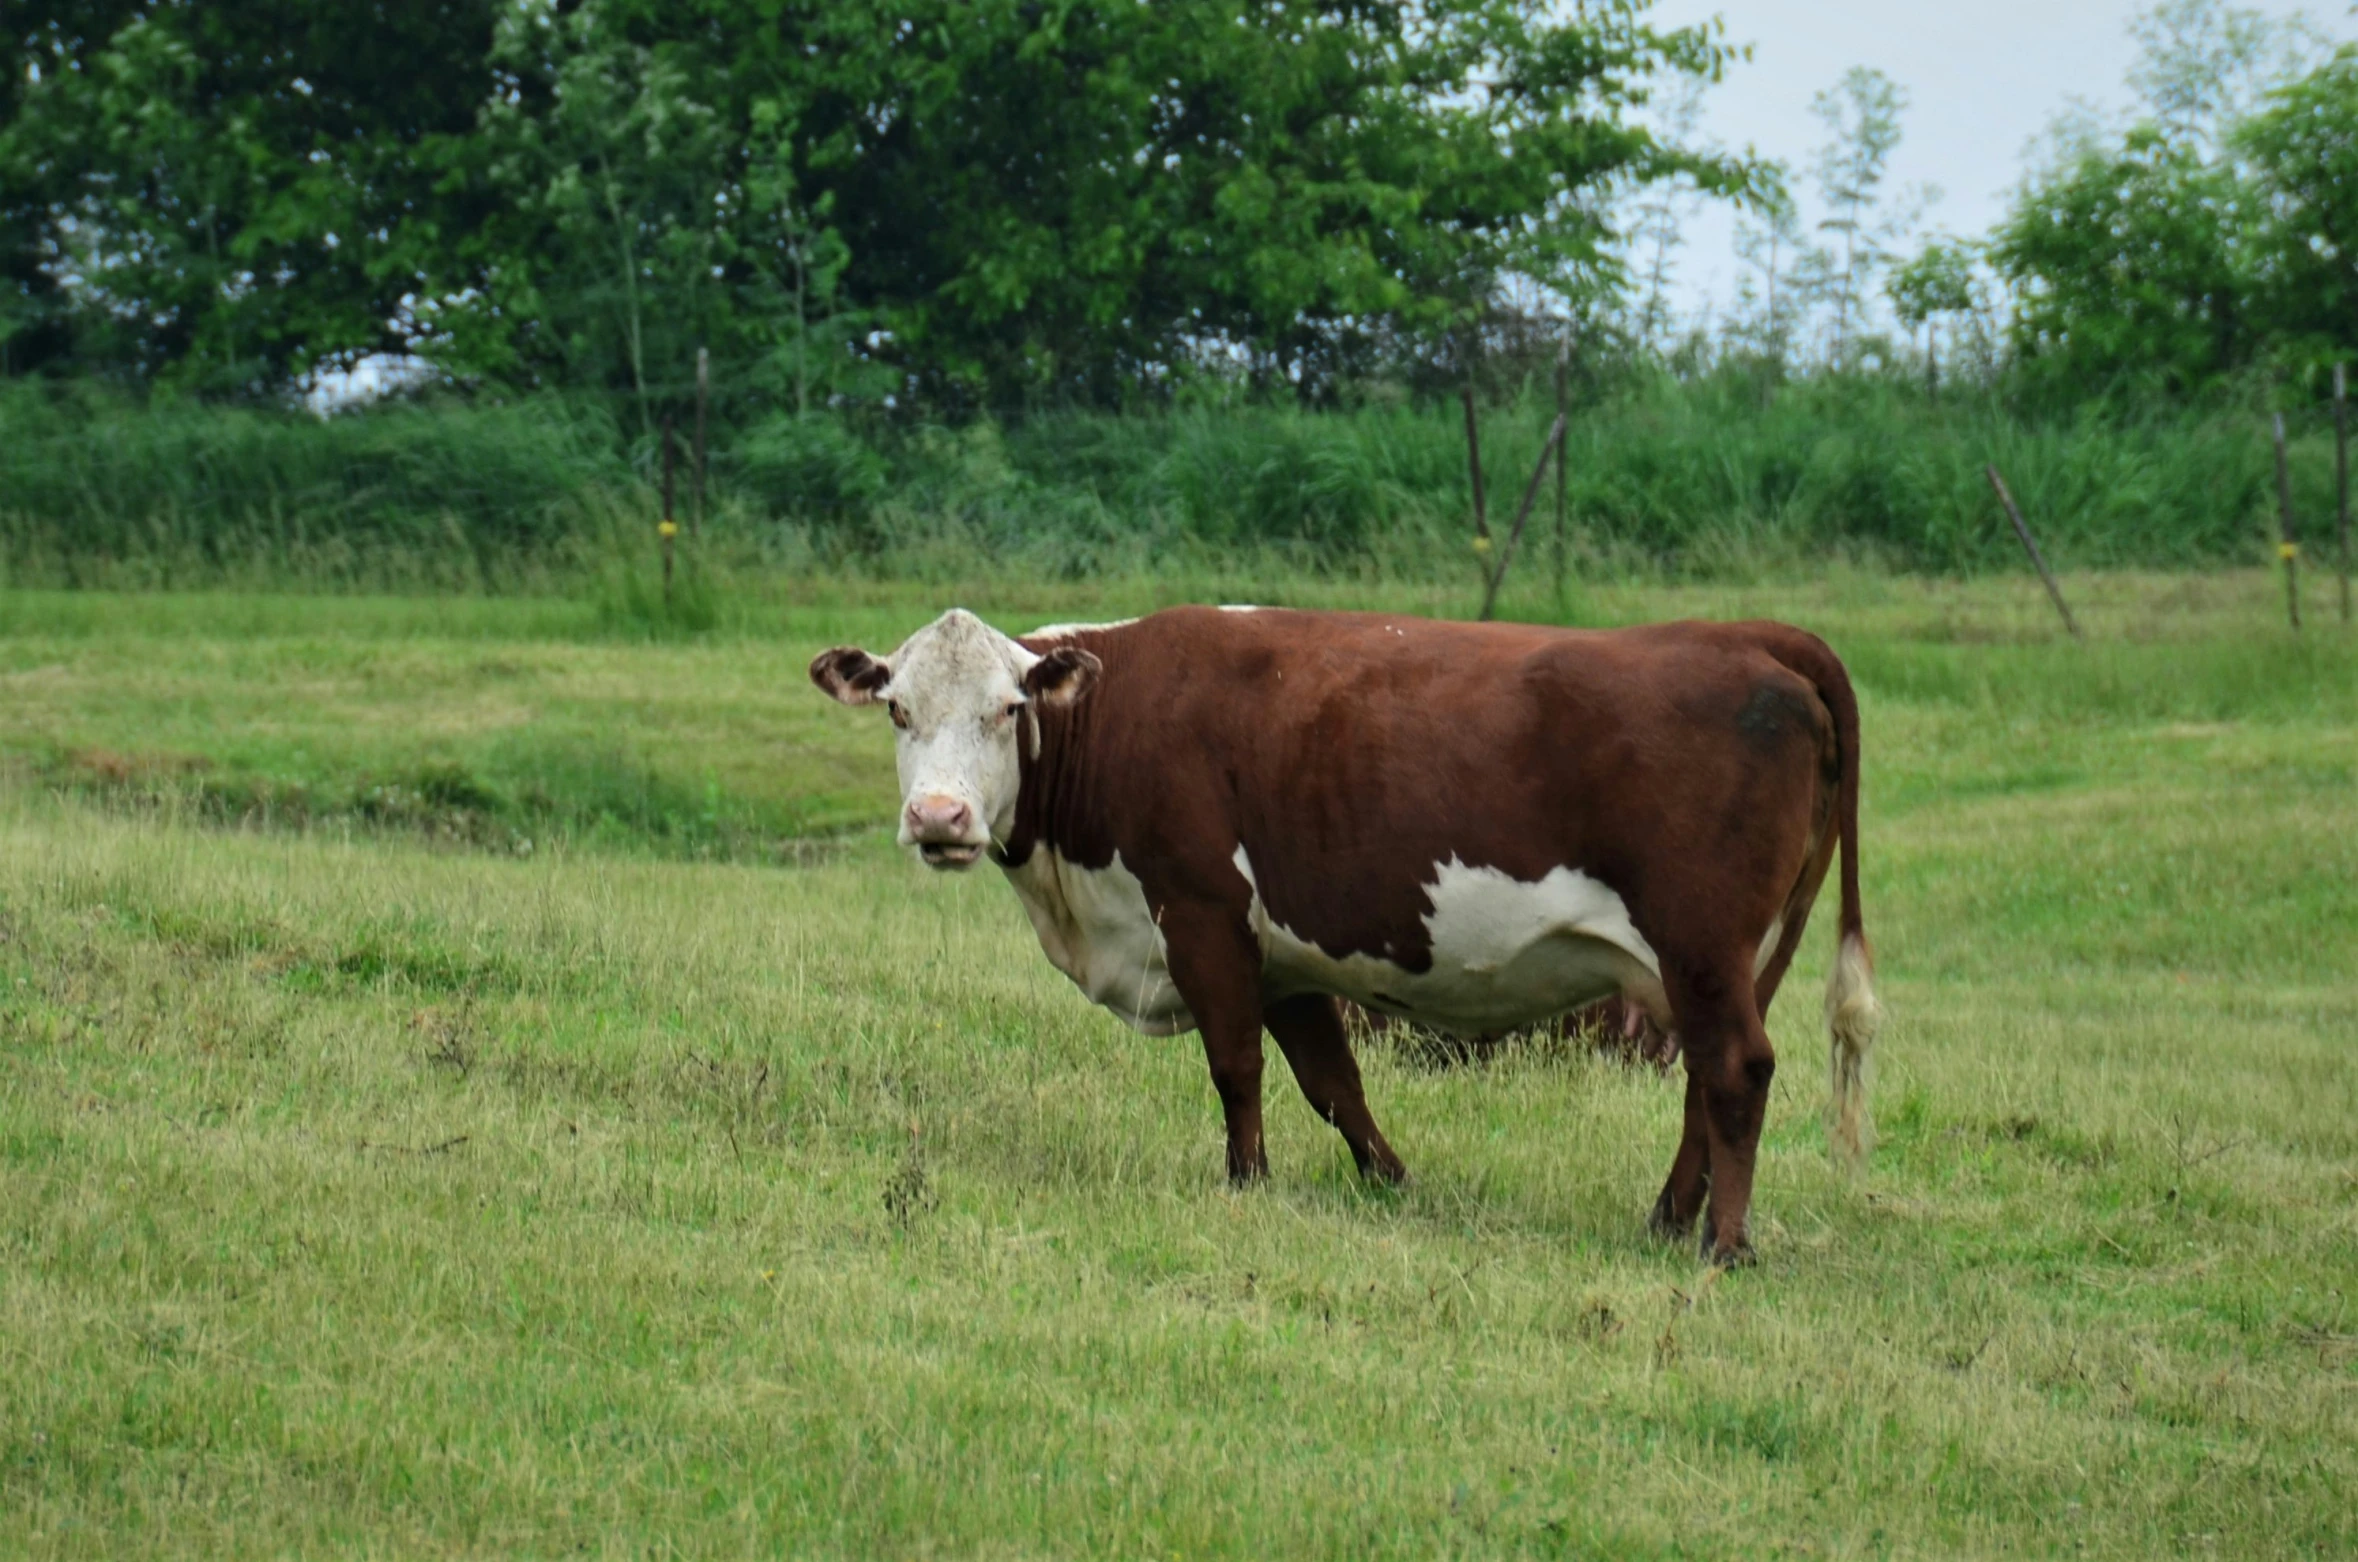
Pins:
x,y
957,691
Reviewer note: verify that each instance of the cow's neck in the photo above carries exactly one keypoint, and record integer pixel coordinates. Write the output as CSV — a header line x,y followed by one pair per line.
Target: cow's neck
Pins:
x,y
1052,795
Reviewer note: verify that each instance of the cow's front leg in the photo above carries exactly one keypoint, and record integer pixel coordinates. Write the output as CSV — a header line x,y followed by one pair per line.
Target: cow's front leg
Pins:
x,y
1690,1172
1216,965
1729,1066
1310,1034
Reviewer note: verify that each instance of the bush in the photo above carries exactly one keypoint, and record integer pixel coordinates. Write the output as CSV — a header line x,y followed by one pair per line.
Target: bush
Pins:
x,y
1702,474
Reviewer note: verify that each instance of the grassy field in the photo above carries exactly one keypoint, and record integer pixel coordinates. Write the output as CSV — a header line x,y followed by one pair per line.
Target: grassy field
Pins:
x,y
474,1084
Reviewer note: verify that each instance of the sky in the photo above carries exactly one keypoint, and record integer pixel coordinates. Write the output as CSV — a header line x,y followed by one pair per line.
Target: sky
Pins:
x,y
1984,78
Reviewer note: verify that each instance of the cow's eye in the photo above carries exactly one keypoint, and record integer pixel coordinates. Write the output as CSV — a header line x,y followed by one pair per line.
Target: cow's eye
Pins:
x,y
1010,710
900,717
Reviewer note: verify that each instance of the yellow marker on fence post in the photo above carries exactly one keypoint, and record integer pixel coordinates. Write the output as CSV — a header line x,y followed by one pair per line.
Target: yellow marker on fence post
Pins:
x,y
667,528
2286,548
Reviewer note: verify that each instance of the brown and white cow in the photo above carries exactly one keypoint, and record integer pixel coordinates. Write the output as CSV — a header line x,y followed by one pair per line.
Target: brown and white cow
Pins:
x,y
1223,819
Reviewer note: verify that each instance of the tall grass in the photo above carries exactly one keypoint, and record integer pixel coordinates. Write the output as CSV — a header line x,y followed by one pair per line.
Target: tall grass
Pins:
x,y
1708,478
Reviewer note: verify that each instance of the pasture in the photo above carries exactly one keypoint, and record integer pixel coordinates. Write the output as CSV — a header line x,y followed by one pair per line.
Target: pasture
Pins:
x,y
473,1084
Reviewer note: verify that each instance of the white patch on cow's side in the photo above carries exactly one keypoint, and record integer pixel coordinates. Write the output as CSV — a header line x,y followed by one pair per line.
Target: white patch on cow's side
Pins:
x,y
1506,953
1096,927
1067,631
1240,607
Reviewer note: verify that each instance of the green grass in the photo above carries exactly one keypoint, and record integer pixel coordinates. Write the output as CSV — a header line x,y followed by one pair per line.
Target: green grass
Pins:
x,y
363,1190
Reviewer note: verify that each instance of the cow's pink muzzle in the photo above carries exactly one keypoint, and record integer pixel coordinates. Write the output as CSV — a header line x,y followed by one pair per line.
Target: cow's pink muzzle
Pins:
x,y
944,831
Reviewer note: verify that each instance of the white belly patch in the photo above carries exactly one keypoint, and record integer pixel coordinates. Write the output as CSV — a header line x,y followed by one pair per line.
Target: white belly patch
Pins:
x,y
1505,953
1095,926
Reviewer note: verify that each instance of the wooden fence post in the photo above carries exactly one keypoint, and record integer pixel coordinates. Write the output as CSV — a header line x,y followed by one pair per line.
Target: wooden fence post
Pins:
x,y
703,390
1474,467
1552,445
667,528
2288,546
2030,546
2341,477
1563,411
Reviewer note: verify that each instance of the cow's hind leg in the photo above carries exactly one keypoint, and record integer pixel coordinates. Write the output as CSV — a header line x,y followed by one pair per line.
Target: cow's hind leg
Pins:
x,y
1310,1034
1729,1066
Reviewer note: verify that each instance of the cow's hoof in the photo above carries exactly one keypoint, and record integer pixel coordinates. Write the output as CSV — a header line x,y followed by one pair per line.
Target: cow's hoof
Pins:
x,y
1387,1173
1738,1255
1664,1223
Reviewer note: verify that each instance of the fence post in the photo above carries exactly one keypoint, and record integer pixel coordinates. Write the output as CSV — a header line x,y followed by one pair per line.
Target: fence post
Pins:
x,y
2288,547
1563,411
1553,444
2030,546
1474,467
703,390
668,528
2341,477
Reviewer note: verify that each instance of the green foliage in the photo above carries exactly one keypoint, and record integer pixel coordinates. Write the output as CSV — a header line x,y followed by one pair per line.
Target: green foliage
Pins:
x,y
238,193
813,466
92,487
2132,263
2303,149
997,203
1937,280
1705,476
2203,65
2212,239
1861,114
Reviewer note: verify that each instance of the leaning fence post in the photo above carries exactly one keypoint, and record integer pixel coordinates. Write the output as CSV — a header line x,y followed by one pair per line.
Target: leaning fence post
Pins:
x,y
1552,445
703,388
2030,546
2288,548
667,528
2341,478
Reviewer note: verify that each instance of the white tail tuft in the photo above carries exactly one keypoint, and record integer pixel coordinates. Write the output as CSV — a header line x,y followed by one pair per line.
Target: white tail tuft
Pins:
x,y
1852,1015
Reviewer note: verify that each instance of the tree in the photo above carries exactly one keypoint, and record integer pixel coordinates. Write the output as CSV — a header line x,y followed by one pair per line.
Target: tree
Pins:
x,y
996,203
1769,244
1934,284
1084,200
1861,113
2204,65
2132,265
618,178
2302,150
1659,214
223,197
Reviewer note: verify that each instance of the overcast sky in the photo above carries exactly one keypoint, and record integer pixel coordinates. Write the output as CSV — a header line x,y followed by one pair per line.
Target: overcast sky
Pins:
x,y
1983,77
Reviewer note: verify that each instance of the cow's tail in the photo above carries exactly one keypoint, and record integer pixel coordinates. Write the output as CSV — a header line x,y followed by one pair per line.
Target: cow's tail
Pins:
x,y
1852,1014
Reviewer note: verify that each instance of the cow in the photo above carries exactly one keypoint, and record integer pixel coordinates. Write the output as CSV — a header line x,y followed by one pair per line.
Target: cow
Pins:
x,y
1225,819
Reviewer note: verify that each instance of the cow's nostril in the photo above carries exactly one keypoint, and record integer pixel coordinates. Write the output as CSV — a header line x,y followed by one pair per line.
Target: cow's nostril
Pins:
x,y
936,816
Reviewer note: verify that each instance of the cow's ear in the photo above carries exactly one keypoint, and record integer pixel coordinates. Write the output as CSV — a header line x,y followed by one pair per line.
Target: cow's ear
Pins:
x,y
850,674
1062,676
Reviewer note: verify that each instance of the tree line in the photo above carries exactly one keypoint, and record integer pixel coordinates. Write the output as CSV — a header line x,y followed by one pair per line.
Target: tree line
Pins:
x,y
962,206
964,203
2202,239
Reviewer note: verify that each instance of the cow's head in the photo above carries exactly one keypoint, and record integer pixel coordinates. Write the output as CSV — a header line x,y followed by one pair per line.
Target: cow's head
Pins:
x,y
957,691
